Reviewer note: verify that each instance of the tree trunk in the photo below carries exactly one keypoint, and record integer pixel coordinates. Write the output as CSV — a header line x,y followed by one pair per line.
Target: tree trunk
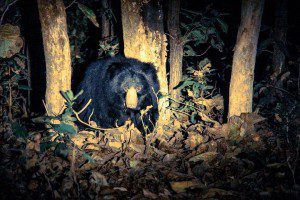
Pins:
x,y
105,23
57,53
144,39
242,75
176,47
280,30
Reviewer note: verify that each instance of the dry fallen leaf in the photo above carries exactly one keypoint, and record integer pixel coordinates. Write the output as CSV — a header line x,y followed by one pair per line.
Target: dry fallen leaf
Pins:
x,y
213,192
98,179
149,194
181,186
115,144
207,157
10,40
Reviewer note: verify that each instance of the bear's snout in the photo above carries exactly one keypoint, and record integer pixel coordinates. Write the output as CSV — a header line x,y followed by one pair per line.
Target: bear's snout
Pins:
x,y
131,98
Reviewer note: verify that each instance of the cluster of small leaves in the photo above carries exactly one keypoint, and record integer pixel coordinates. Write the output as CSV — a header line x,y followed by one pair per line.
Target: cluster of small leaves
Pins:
x,y
78,27
79,16
63,127
13,74
203,28
195,82
109,47
10,40
13,85
195,85
88,13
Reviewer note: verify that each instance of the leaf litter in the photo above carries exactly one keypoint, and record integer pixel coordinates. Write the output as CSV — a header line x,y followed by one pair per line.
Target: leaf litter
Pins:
x,y
243,158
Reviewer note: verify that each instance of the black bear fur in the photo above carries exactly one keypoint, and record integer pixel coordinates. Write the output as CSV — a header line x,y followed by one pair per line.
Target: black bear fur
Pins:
x,y
106,81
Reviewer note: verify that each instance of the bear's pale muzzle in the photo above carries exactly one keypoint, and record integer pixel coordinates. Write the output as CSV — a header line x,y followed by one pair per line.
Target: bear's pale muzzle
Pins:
x,y
131,98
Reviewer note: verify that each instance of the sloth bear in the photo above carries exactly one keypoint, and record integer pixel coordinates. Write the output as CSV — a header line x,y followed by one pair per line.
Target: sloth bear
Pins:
x,y
120,88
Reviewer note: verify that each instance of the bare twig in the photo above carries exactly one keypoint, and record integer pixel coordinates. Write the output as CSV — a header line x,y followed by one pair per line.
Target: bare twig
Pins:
x,y
89,120
29,76
282,90
84,107
45,107
179,111
73,169
203,116
271,52
87,124
70,4
199,55
6,9
10,97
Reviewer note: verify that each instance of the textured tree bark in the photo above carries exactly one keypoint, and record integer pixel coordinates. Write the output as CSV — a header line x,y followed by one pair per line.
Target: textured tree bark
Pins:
x,y
144,39
57,53
242,75
176,47
280,30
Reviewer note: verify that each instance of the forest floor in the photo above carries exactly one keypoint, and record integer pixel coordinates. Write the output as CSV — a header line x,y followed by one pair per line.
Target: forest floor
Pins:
x,y
245,158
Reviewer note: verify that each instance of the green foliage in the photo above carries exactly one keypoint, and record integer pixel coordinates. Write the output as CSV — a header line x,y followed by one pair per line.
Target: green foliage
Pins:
x,y
203,28
195,85
62,125
109,47
202,31
78,28
88,13
19,131
13,87
77,31
61,150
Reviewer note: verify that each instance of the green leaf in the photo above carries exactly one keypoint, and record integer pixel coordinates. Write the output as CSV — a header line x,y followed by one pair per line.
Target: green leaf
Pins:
x,y
199,37
24,87
193,118
223,25
203,62
208,87
184,26
216,45
88,13
42,119
61,150
189,51
67,116
66,128
19,131
88,157
44,146
196,90
77,95
68,95
211,31
184,84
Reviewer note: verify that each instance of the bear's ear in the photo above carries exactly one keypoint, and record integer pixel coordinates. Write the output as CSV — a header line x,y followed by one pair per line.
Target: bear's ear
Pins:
x,y
114,68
